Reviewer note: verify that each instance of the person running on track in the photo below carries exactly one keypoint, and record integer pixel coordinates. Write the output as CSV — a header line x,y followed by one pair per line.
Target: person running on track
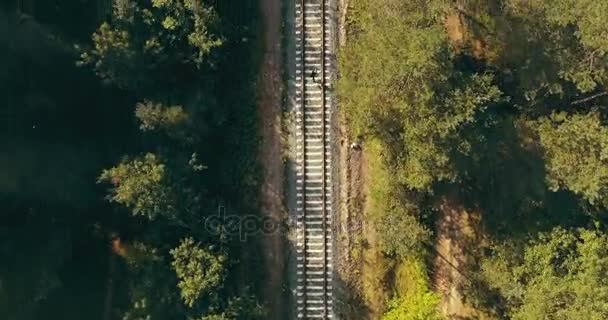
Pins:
x,y
313,75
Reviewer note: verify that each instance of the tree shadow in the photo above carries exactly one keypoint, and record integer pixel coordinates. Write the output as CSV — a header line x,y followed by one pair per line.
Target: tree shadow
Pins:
x,y
349,304
502,196
506,183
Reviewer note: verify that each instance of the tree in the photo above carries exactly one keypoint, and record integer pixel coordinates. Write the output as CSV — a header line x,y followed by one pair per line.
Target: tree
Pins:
x,y
572,34
575,149
172,121
199,271
142,184
588,17
401,233
147,44
155,116
242,308
420,105
199,275
561,275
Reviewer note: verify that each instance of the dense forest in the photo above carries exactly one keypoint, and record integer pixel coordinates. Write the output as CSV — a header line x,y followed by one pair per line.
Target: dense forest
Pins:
x,y
494,112
123,125
126,124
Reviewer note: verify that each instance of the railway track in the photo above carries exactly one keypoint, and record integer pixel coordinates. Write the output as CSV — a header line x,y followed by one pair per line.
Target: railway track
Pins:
x,y
314,184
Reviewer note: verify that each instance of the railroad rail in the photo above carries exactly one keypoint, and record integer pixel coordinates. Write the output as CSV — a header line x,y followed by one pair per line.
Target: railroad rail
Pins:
x,y
313,143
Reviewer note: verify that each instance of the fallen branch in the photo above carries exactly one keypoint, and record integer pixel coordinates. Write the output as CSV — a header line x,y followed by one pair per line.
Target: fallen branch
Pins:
x,y
597,95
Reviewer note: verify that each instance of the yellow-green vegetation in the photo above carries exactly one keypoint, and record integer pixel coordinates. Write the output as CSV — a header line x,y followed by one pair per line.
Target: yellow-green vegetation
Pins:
x,y
199,270
414,299
396,231
392,213
155,116
499,104
141,185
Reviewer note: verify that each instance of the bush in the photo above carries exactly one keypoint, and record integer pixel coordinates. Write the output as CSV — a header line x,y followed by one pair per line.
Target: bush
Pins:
x,y
394,213
414,300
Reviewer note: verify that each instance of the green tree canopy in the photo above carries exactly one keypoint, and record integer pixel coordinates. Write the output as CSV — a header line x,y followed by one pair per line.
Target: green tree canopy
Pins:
x,y
244,307
420,104
199,270
149,43
575,149
561,275
156,116
142,185
503,101
171,121
571,34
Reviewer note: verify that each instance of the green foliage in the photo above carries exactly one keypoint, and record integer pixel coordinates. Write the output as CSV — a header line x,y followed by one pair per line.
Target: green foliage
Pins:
x,y
394,213
587,15
147,43
401,234
156,116
138,256
415,300
420,103
141,184
572,34
575,149
171,121
406,65
241,308
199,270
245,307
422,306
502,100
561,275
213,317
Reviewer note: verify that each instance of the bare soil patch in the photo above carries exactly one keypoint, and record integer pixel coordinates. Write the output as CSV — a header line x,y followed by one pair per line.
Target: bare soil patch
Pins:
x,y
468,34
457,235
455,29
349,230
362,268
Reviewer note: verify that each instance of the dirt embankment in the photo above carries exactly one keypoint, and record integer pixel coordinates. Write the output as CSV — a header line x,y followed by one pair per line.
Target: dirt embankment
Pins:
x,y
270,88
351,255
360,266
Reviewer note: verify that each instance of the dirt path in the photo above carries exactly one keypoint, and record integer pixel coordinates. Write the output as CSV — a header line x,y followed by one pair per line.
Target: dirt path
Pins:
x,y
270,156
457,237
